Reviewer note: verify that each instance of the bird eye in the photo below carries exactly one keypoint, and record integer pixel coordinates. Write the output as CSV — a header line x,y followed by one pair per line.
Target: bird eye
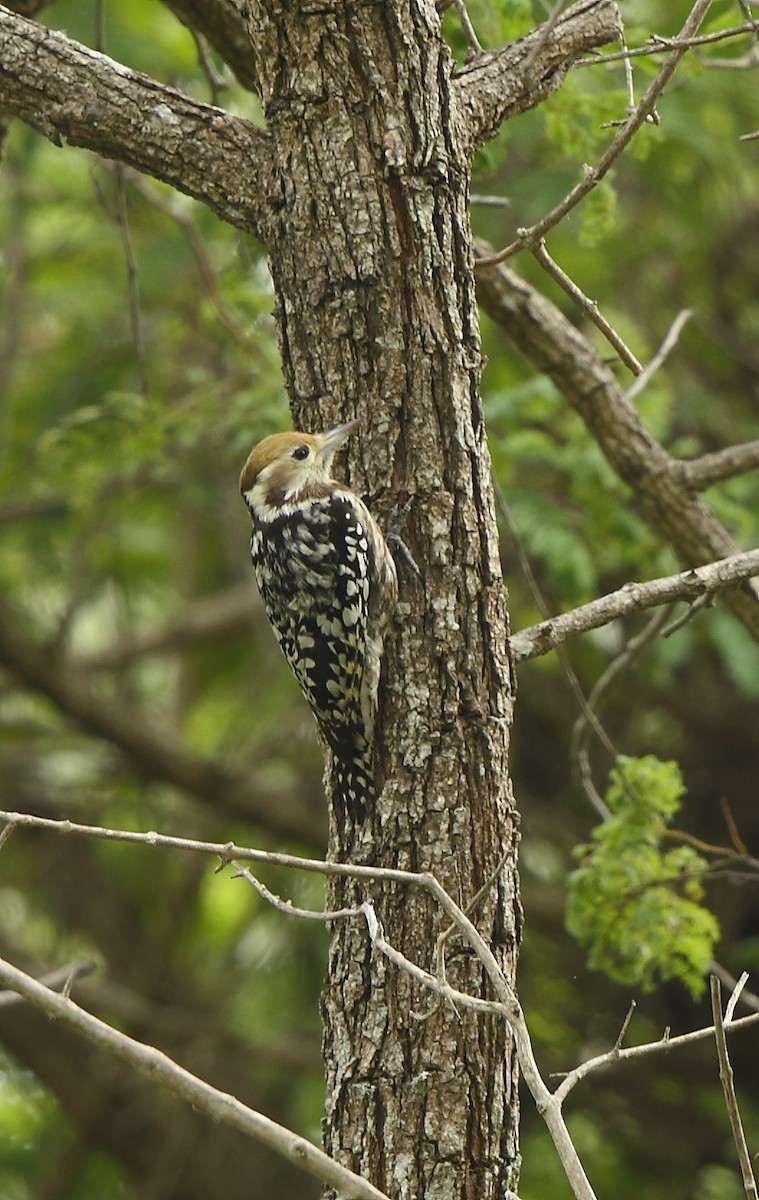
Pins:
x,y
301,452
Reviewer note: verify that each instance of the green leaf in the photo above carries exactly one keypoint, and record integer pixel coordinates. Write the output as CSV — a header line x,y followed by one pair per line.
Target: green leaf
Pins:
x,y
635,906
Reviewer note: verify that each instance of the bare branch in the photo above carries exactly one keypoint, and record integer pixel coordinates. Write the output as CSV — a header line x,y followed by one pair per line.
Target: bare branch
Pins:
x,y
286,906
663,1045
667,504
506,1004
73,94
468,27
749,998
735,996
62,978
579,748
661,356
658,45
496,87
699,581
702,472
625,1025
530,237
728,1087
216,1105
223,26
588,306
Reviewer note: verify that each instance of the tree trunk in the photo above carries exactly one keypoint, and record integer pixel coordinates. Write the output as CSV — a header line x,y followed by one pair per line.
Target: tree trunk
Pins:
x,y
372,263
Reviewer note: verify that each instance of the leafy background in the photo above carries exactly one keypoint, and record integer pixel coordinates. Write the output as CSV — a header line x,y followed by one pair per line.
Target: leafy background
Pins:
x,y
120,522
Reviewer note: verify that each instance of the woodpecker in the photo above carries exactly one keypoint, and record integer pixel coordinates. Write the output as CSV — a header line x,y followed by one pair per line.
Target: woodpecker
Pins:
x,y
329,586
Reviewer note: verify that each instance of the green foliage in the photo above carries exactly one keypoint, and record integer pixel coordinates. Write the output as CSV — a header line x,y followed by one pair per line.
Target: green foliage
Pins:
x,y
635,905
139,520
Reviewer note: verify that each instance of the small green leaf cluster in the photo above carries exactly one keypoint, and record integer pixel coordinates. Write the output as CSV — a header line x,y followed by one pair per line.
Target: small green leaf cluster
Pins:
x,y
637,907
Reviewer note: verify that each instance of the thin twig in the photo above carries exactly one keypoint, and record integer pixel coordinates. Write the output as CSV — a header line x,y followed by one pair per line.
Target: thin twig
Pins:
x,y
748,998
666,348
546,29
625,1025
133,288
707,469
567,669
229,1110
529,237
692,611
745,8
468,27
286,906
217,83
735,996
657,45
733,830
62,978
728,1087
216,1105
665,1043
539,639
507,1002
588,306
579,750
629,82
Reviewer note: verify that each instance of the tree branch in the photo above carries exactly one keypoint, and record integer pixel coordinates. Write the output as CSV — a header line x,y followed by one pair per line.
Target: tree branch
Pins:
x,y
70,93
700,473
496,87
593,175
728,1087
216,1105
223,26
553,345
699,581
506,1004
663,1045
153,751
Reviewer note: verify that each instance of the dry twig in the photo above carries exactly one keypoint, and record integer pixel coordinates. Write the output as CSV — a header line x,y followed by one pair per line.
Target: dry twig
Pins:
x,y
728,1086
530,237
539,639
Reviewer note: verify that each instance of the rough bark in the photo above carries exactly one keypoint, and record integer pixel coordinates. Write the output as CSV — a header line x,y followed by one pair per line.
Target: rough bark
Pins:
x,y
359,189
72,94
372,262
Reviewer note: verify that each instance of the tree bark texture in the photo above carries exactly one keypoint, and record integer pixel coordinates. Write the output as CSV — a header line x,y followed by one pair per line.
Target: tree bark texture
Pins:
x,y
359,189
372,263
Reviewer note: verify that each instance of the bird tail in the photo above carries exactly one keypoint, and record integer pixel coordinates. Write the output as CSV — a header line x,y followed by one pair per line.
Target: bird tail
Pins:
x,y
353,786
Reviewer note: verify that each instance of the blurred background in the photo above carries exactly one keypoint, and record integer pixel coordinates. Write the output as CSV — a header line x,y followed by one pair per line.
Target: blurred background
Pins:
x,y
138,365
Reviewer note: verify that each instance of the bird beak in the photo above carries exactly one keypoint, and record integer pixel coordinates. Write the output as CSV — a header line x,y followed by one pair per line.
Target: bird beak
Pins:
x,y
334,438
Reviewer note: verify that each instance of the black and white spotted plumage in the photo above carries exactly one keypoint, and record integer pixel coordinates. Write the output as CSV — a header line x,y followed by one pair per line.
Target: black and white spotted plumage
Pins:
x,y
328,583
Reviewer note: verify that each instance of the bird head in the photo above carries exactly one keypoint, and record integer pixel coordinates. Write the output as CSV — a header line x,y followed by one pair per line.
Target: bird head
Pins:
x,y
284,466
